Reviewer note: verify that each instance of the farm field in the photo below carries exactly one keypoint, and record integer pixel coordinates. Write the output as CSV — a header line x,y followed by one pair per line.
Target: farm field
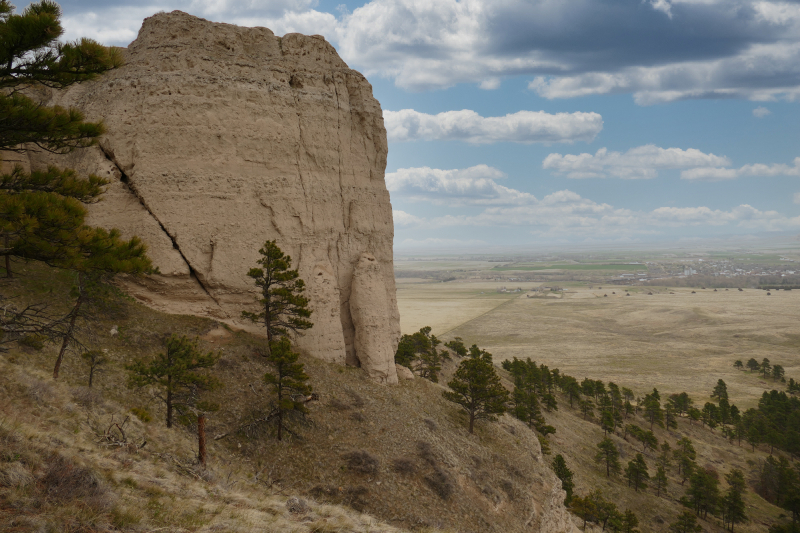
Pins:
x,y
674,339
572,266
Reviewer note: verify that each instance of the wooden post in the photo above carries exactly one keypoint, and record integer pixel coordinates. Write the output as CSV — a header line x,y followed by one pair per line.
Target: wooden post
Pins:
x,y
201,439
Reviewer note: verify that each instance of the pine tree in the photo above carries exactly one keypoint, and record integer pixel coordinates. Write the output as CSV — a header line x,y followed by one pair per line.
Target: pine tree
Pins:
x,y
584,508
41,212
720,390
753,365
609,455
477,389
685,455
175,376
686,523
587,408
629,523
96,360
103,255
288,382
283,308
738,365
765,367
652,409
636,473
457,345
710,414
563,473
660,480
703,492
733,506
665,457
418,352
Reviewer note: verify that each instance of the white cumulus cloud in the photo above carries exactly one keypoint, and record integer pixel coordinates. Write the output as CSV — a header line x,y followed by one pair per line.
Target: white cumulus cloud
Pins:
x,y
642,162
474,186
467,125
690,49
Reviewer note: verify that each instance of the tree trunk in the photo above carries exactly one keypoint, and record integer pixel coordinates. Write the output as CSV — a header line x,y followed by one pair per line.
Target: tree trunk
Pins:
x,y
91,375
280,406
169,401
201,439
471,422
68,335
8,258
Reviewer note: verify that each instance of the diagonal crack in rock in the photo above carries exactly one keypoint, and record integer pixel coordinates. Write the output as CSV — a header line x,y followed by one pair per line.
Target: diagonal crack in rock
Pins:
x,y
125,179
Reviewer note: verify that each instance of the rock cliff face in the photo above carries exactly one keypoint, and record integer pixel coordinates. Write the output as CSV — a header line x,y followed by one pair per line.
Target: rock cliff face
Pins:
x,y
220,138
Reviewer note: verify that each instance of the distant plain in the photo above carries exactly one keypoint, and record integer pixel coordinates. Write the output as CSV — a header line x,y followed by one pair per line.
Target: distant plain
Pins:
x,y
673,339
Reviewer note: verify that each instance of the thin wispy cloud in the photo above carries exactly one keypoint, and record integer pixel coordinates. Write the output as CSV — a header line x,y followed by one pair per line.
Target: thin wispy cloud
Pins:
x,y
759,170
761,112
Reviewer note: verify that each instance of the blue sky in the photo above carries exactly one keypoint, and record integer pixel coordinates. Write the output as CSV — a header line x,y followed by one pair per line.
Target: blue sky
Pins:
x,y
532,122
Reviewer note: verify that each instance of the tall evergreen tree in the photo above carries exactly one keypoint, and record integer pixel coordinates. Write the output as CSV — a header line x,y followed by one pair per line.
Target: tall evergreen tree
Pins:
x,y
703,492
563,473
733,506
652,409
660,480
720,390
608,454
766,368
629,523
288,382
686,523
685,455
477,389
636,473
283,308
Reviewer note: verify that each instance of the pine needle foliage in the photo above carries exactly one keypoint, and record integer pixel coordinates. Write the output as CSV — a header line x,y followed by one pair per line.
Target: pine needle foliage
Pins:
x,y
175,376
477,389
283,308
31,55
288,382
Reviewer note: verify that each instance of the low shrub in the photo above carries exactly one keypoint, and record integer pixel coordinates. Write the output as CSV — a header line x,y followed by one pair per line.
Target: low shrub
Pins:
x,y
362,462
403,465
440,483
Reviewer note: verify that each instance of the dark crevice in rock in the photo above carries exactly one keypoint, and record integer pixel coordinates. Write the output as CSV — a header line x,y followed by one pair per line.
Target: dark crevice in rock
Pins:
x,y
132,188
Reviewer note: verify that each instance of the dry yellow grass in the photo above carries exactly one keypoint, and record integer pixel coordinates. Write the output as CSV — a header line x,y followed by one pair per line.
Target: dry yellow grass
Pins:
x,y
673,339
489,481
445,306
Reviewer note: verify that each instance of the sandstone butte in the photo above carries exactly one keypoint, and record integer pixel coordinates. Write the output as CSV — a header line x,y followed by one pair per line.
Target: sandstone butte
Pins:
x,y
221,137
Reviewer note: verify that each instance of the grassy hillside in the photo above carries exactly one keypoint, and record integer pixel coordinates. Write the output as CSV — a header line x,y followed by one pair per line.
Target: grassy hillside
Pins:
x,y
400,455
673,339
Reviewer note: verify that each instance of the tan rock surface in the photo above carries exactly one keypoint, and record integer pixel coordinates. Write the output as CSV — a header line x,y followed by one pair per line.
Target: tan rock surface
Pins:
x,y
220,138
403,372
